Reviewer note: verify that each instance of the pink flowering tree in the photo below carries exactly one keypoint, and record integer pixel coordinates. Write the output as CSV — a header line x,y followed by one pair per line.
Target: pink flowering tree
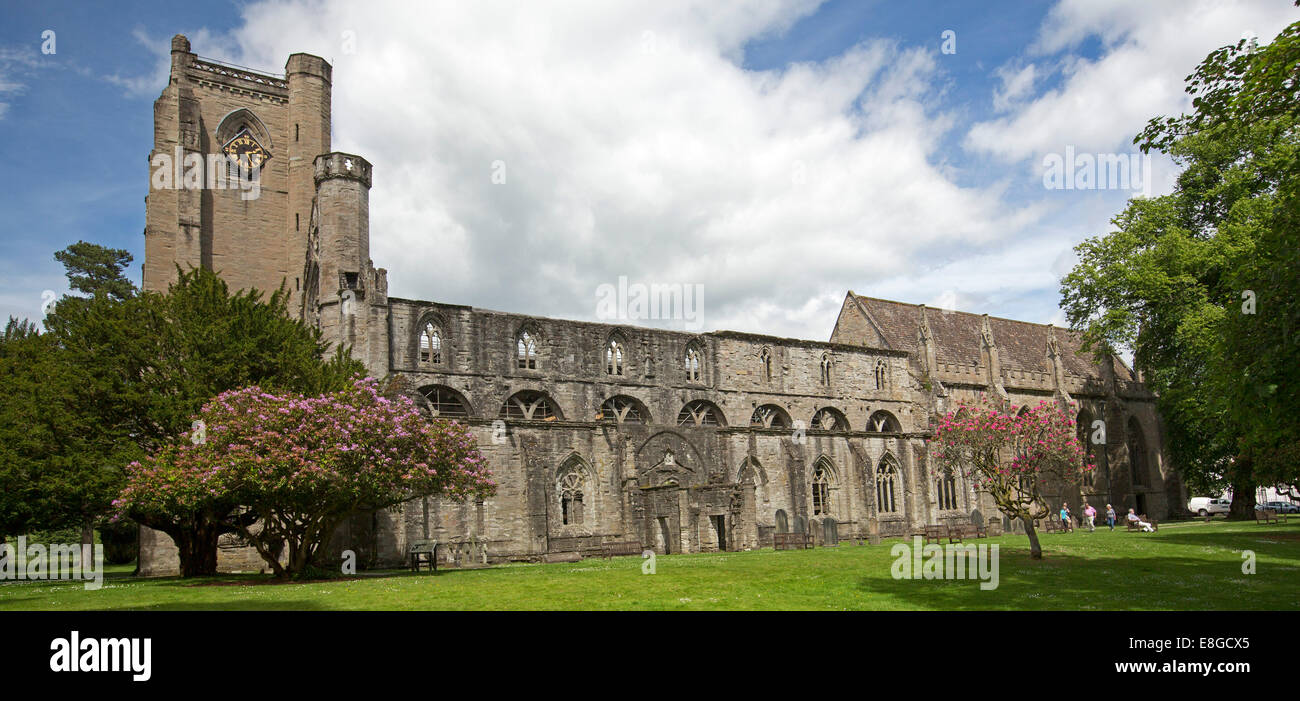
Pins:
x,y
1011,456
285,471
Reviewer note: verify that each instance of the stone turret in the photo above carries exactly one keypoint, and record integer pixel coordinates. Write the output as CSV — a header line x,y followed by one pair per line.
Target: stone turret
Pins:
x,y
352,296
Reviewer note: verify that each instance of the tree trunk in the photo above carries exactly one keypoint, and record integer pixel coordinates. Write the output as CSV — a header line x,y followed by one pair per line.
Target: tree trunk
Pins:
x,y
1243,491
88,533
1035,550
198,551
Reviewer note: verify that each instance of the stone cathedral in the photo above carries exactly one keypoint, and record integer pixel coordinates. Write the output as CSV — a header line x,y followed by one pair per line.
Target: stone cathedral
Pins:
x,y
600,433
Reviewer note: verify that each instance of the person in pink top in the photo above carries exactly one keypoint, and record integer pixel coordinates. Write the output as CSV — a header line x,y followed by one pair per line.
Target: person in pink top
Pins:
x,y
1089,514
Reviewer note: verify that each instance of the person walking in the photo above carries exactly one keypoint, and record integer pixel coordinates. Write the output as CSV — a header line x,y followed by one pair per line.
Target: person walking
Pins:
x,y
1110,516
1065,517
1089,514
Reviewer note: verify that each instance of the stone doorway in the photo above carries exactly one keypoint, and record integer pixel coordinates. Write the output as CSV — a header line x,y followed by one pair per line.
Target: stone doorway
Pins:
x,y
664,536
720,529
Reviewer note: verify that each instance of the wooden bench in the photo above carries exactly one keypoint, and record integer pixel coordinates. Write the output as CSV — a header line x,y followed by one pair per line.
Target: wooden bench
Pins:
x,y
935,534
1263,516
624,548
424,552
1133,525
792,541
1053,525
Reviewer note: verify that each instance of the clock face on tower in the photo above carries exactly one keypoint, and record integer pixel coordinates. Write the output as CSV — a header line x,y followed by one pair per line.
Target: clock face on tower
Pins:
x,y
245,149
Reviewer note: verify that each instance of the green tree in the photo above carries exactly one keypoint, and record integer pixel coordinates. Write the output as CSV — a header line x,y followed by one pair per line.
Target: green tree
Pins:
x,y
120,372
93,269
1202,283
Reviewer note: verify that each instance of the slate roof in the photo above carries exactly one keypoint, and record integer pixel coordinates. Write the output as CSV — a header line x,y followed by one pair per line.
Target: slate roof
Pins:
x,y
1021,345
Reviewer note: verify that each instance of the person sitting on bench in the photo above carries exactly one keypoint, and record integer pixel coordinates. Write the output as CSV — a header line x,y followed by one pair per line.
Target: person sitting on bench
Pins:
x,y
1143,524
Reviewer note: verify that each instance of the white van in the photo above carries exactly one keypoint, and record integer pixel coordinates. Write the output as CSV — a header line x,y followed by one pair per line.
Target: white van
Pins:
x,y
1207,506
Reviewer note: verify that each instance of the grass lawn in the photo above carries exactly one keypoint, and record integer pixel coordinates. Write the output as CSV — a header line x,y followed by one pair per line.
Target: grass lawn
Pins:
x,y
1190,565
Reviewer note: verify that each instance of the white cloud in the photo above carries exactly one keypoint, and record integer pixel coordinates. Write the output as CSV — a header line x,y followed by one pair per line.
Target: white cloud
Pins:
x,y
1148,48
13,62
1016,84
634,145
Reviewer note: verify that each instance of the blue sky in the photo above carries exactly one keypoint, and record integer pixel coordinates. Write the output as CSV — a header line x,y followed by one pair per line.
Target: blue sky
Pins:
x,y
653,143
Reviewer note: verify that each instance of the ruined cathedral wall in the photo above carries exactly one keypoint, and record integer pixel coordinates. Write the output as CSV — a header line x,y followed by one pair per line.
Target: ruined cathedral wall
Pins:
x,y
478,359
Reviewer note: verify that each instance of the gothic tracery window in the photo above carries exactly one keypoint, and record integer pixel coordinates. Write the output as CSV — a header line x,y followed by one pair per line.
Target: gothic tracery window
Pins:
x,y
883,422
886,486
445,403
821,491
770,416
1083,424
947,489
881,375
826,369
1137,452
526,351
614,357
700,412
571,486
829,419
529,405
623,410
430,344
692,364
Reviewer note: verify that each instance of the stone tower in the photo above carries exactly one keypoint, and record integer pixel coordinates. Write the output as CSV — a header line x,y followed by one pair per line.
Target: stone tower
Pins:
x,y
346,293
196,213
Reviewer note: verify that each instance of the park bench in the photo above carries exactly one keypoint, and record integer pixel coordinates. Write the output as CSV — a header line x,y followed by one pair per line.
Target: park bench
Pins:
x,y
1263,516
1133,525
622,548
424,552
935,533
960,531
968,530
1053,525
792,541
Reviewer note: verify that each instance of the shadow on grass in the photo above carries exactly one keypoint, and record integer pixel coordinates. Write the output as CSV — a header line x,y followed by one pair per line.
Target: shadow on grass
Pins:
x,y
1069,582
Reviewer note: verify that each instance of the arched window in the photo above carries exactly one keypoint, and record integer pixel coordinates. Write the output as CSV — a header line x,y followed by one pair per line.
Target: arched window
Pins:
x,y
1082,431
881,375
529,405
886,486
693,363
821,489
614,357
782,522
445,402
624,410
700,412
883,422
826,369
430,344
947,489
1137,452
770,416
829,419
571,486
526,351
765,363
